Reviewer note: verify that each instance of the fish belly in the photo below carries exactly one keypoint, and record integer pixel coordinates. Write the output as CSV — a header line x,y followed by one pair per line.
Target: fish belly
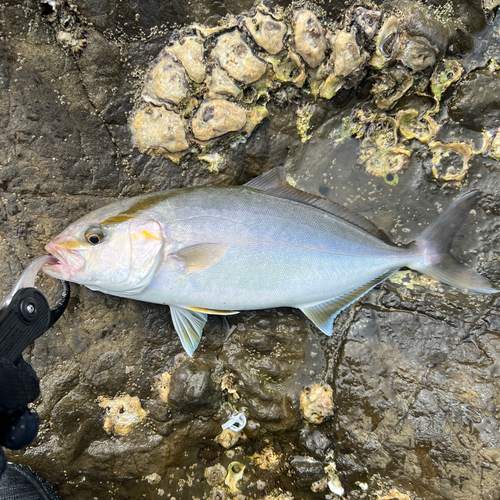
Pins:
x,y
280,253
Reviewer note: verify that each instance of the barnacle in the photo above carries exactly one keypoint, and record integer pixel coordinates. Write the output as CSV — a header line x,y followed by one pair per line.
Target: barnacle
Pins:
x,y
441,150
411,126
234,476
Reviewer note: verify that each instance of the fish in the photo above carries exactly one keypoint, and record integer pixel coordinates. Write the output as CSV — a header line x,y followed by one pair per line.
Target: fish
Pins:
x,y
221,250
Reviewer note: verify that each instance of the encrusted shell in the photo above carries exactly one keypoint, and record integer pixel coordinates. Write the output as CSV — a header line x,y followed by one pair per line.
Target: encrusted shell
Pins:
x,y
235,56
390,86
387,43
447,71
220,84
190,51
166,82
216,117
123,413
267,32
368,20
158,129
310,41
316,402
417,53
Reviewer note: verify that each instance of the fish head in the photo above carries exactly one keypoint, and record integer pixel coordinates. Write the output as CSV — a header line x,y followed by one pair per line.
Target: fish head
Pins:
x,y
109,255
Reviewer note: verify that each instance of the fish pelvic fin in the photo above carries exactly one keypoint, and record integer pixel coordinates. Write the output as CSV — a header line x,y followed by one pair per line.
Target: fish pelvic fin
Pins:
x,y
435,243
189,326
323,314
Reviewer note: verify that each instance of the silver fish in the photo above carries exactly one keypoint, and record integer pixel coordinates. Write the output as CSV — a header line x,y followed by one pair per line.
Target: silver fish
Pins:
x,y
220,250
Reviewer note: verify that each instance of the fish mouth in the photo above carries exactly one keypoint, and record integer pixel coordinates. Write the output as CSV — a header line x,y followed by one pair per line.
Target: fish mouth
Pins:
x,y
67,262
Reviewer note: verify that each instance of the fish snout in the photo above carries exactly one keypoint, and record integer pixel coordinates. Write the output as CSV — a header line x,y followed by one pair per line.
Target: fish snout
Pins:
x,y
70,261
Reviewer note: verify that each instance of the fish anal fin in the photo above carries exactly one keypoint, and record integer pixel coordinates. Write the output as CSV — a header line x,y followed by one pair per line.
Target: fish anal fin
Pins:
x,y
212,311
195,258
189,326
323,314
274,182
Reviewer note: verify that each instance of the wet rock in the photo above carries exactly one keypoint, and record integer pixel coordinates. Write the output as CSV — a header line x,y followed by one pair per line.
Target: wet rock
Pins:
x,y
476,105
315,442
192,389
306,471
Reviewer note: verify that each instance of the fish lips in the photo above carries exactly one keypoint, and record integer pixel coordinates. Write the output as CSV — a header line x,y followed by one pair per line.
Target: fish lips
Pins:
x,y
69,262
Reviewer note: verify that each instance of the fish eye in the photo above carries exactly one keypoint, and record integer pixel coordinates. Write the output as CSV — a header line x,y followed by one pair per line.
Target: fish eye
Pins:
x,y
94,235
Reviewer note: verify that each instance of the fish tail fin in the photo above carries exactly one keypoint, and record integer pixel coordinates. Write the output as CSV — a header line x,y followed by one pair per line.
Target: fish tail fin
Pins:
x,y
435,243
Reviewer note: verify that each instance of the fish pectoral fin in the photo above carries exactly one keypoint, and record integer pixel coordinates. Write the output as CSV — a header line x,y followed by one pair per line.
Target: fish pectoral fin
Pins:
x,y
274,182
211,311
189,326
198,257
323,314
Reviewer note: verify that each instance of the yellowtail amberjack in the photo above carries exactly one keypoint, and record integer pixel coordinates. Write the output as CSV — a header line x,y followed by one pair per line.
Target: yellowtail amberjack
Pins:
x,y
220,250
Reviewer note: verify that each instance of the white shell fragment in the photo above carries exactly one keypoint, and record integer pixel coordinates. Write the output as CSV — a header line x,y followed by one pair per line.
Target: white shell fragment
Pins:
x,y
310,41
190,51
166,82
267,32
235,56
216,117
157,129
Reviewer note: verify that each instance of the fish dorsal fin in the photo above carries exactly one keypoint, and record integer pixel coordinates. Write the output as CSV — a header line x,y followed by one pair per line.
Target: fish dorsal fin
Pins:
x,y
274,182
323,314
189,326
198,257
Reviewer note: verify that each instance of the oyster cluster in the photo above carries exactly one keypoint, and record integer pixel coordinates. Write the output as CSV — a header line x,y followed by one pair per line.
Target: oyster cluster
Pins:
x,y
209,83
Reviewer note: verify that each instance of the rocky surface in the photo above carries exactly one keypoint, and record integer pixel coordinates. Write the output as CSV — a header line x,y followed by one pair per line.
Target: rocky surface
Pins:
x,y
414,368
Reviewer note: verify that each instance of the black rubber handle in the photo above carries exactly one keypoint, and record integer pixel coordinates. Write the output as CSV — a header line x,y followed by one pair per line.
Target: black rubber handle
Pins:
x,y
26,318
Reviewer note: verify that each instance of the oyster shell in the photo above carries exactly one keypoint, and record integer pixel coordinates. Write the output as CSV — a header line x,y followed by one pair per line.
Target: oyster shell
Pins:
x,y
288,70
442,150
267,32
159,130
446,72
368,20
495,147
220,84
411,127
390,86
417,53
387,44
310,41
190,51
216,117
348,59
166,82
235,56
